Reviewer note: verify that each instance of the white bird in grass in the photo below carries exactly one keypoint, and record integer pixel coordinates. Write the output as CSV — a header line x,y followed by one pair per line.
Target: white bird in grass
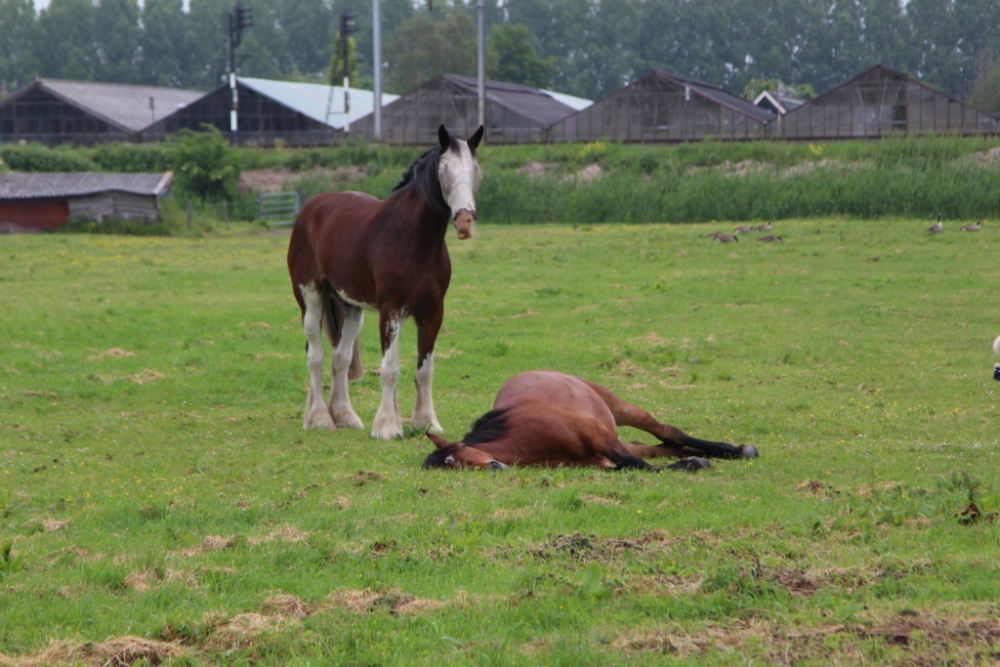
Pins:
x,y
936,228
726,238
973,228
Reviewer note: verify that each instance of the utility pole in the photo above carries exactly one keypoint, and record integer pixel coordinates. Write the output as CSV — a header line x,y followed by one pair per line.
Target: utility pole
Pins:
x,y
377,48
348,26
480,20
241,19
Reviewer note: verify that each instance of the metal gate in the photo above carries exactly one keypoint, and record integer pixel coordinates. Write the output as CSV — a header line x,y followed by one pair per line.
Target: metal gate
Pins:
x,y
279,209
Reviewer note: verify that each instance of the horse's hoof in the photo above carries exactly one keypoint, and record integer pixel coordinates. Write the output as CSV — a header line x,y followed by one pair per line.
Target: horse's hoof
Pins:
x,y
690,464
749,451
496,465
348,420
319,419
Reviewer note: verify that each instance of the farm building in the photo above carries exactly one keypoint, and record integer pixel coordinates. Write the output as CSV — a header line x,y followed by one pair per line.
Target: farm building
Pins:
x,y
666,107
52,111
883,102
44,201
777,103
299,114
514,113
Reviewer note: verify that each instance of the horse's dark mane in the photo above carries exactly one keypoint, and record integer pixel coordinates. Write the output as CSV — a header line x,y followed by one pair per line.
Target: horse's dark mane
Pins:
x,y
436,459
490,427
422,174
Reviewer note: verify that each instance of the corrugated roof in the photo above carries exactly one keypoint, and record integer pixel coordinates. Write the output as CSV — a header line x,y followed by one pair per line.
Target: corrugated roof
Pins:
x,y
35,185
718,95
311,99
578,103
123,105
531,103
784,103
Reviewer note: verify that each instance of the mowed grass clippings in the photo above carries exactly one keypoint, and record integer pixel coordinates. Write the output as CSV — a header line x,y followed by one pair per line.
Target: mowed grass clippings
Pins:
x,y
159,499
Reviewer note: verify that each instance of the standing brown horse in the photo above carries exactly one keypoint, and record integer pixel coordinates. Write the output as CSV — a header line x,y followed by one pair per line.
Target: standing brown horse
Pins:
x,y
351,252
550,419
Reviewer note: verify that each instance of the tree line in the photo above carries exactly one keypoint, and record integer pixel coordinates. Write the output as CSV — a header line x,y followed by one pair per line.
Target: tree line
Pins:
x,y
583,47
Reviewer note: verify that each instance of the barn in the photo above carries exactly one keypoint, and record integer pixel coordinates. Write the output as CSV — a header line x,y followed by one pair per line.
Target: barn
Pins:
x,y
514,113
297,114
53,111
34,202
882,102
664,107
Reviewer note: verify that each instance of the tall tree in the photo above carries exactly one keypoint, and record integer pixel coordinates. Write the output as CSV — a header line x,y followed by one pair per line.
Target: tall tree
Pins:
x,y
66,47
161,42
116,32
18,34
515,59
422,49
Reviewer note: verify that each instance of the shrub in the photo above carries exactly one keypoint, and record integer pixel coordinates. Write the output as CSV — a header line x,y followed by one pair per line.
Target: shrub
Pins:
x,y
203,164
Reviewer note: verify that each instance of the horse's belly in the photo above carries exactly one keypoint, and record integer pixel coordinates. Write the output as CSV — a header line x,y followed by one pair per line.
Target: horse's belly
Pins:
x,y
354,302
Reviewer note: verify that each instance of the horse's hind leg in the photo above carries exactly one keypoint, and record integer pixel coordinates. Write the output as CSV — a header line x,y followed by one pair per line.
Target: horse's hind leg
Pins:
x,y
317,413
675,441
343,351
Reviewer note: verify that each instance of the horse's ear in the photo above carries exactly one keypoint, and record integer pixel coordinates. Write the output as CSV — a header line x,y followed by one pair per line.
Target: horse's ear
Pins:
x,y
444,138
476,138
438,441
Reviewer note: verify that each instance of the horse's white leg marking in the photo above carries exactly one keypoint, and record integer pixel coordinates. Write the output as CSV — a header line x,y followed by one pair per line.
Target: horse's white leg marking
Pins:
x,y
317,413
388,424
423,408
340,401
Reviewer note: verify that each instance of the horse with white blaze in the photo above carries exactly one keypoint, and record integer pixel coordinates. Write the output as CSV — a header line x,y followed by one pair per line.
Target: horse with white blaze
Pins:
x,y
351,252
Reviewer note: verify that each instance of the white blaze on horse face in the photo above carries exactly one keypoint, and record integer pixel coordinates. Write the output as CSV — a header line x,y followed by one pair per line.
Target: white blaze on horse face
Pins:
x,y
460,178
388,424
317,413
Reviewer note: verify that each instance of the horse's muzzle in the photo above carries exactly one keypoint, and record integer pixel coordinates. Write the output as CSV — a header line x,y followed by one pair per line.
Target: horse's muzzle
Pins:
x,y
464,221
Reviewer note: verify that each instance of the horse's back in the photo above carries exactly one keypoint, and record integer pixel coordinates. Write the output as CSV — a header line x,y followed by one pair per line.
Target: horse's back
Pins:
x,y
567,393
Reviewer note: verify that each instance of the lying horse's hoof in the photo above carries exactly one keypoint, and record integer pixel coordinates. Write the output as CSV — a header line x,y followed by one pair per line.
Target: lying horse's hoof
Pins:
x,y
749,451
691,464
496,465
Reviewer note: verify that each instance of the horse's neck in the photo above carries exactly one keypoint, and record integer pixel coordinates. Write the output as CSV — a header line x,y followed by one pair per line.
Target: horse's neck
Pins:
x,y
418,220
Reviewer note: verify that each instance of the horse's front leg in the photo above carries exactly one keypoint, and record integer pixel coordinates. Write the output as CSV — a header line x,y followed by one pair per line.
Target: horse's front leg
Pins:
x,y
423,408
388,424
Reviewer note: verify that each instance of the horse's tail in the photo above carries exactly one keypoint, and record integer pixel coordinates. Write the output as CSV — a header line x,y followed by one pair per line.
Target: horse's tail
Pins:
x,y
333,317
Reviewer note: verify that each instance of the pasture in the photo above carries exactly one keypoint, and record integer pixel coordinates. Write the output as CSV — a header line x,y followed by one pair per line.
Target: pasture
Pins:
x,y
160,502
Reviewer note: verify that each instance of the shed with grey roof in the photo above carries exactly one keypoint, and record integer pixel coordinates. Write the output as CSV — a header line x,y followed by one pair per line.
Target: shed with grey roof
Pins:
x,y
32,201
53,111
514,113
297,114
666,107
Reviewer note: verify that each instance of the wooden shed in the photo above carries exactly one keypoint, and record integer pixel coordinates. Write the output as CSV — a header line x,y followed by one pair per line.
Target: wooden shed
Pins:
x,y
882,102
32,202
664,107
514,113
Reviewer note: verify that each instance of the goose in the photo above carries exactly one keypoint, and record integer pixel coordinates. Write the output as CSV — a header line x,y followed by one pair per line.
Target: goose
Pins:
x,y
726,238
743,229
771,238
766,227
936,228
973,228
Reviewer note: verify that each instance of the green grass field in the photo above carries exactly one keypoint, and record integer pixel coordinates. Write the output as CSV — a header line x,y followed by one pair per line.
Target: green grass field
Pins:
x,y
160,502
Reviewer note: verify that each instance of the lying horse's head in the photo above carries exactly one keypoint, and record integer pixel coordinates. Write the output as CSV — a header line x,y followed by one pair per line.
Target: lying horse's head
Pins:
x,y
460,177
458,455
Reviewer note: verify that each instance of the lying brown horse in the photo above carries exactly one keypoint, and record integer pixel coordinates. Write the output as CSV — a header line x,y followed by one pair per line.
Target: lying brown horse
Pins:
x,y
351,252
548,418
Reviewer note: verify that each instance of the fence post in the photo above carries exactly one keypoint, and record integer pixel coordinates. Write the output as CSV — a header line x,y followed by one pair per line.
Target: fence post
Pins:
x,y
225,211
189,213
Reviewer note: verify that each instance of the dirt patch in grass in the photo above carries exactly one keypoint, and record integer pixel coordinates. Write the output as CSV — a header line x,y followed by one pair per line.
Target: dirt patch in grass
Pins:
x,y
210,544
113,352
585,547
147,375
117,652
394,601
52,525
143,580
284,604
287,533
239,632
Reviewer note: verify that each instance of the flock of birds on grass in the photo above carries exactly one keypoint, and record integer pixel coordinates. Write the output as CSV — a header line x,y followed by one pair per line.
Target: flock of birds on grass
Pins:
x,y
722,237
939,227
